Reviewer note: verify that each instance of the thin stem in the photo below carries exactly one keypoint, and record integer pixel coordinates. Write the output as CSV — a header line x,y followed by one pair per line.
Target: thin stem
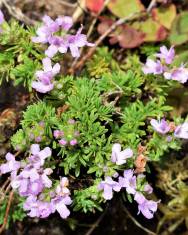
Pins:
x,y
137,223
7,212
90,231
91,29
91,51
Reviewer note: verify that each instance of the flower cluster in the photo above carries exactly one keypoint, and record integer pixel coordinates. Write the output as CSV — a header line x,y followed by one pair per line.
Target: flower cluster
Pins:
x,y
54,33
37,133
129,183
162,66
163,127
69,135
31,180
134,185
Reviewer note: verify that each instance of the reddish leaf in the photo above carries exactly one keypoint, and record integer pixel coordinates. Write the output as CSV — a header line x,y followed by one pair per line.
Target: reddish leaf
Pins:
x,y
130,37
95,5
154,31
104,25
125,35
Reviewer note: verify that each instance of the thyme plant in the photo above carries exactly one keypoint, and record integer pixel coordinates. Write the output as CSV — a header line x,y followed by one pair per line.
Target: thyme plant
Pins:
x,y
86,137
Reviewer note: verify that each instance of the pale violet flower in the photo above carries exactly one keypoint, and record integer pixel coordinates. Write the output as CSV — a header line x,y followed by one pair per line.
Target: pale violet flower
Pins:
x,y
119,157
57,44
45,32
181,131
38,208
153,67
180,74
167,55
38,156
128,181
1,19
77,41
65,22
44,83
45,179
48,71
57,134
73,142
11,165
148,189
161,127
41,87
62,188
108,186
146,207
60,205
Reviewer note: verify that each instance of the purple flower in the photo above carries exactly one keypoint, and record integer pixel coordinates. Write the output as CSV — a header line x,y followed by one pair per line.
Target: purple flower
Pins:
x,y
38,156
161,127
57,43
41,87
11,165
169,138
119,157
63,142
38,139
76,41
65,22
35,187
1,19
179,74
62,188
52,25
128,181
73,142
57,134
45,179
38,208
152,67
60,206
181,131
148,189
32,205
167,55
45,32
48,71
108,185
45,76
45,209
29,172
146,207
71,121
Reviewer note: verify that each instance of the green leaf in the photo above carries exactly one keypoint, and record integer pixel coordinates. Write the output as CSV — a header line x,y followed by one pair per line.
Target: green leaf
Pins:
x,y
153,30
123,8
179,31
165,15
